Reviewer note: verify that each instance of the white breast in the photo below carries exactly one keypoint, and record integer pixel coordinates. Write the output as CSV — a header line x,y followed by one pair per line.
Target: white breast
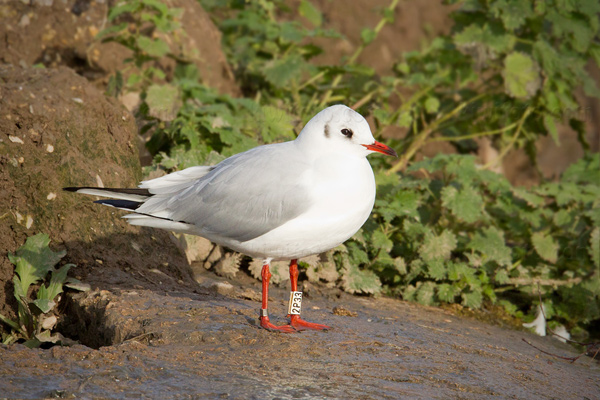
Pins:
x,y
343,193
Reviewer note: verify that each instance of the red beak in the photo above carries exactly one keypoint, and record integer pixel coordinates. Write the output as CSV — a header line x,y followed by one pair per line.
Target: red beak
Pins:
x,y
381,148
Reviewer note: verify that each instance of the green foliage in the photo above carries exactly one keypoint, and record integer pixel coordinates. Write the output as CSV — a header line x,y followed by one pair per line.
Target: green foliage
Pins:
x,y
513,241
445,229
142,26
34,262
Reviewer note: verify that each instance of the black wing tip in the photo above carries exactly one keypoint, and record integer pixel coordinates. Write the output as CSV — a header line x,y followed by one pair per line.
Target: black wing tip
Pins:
x,y
136,191
122,204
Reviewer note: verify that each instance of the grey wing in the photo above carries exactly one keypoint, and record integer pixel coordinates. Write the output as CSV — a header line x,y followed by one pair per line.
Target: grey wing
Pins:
x,y
245,196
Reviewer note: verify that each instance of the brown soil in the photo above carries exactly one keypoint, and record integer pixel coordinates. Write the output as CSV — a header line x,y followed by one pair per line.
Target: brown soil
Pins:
x,y
57,130
61,33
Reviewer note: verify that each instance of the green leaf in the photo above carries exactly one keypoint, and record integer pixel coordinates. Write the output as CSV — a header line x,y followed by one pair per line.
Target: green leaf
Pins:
x,y
585,170
388,15
403,204
513,13
568,193
76,284
545,246
490,243
404,68
466,204
482,38
325,271
551,128
582,35
276,124
521,76
356,280
595,53
436,269
501,276
472,299
380,240
153,47
432,105
32,343
163,101
400,265
407,203
44,305
310,12
279,72
563,218
594,248
34,260
408,293
438,247
532,199
405,119
367,35
55,286
290,32
10,323
460,271
549,58
425,293
356,253
111,30
447,292
122,8
157,5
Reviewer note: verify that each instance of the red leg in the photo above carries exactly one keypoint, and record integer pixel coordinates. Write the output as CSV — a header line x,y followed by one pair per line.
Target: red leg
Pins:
x,y
264,316
295,320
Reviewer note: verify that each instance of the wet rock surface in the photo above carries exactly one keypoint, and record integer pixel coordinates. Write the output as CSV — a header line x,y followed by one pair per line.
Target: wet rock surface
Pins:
x,y
201,344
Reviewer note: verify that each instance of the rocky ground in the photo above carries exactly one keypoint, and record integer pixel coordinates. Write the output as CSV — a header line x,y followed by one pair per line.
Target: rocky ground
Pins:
x,y
205,343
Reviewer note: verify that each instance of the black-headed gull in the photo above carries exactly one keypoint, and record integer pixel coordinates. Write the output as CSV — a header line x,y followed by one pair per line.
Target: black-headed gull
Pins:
x,y
279,201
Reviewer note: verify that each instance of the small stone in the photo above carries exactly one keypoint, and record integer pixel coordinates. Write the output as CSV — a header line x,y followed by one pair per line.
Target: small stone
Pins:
x,y
50,322
51,196
25,20
49,148
340,310
222,288
15,139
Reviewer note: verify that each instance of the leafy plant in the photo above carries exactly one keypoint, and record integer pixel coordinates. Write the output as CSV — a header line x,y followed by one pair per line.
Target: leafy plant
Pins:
x,y
34,262
142,26
449,231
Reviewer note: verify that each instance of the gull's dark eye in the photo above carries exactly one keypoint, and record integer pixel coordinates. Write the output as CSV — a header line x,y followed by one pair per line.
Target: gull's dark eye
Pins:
x,y
347,132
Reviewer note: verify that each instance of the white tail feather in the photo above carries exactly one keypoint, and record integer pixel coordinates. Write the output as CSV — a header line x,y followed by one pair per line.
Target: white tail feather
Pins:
x,y
175,181
144,220
113,195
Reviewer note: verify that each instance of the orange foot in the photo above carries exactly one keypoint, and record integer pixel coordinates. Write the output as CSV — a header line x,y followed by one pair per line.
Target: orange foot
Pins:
x,y
300,324
264,322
